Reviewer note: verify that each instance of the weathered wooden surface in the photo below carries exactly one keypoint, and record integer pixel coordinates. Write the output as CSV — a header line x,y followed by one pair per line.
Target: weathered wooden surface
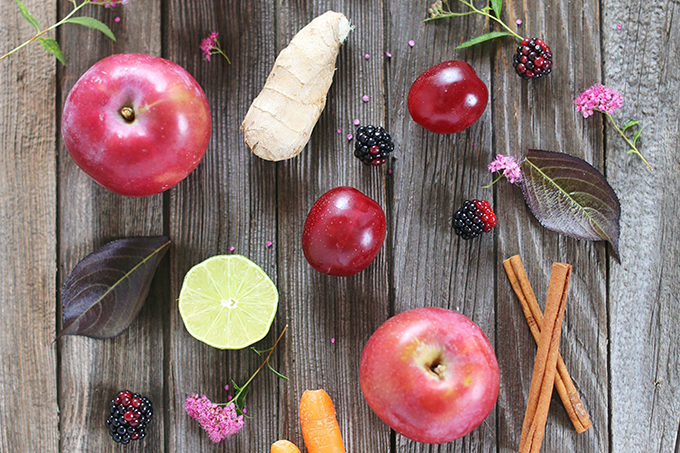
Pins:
x,y
621,333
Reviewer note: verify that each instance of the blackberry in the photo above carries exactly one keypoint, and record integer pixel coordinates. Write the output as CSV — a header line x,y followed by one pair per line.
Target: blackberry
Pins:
x,y
533,59
129,414
474,218
373,145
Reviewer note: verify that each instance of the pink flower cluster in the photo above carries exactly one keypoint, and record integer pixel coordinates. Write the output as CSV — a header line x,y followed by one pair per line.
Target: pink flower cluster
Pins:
x,y
598,97
208,44
509,166
220,422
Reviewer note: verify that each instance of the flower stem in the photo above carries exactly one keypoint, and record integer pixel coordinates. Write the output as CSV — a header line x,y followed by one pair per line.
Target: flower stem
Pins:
x,y
244,387
631,144
494,182
469,4
77,7
219,51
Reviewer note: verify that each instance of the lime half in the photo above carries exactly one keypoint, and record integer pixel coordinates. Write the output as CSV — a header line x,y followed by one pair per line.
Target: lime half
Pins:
x,y
228,302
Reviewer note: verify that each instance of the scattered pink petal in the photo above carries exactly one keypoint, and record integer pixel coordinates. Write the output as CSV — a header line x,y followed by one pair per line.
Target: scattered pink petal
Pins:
x,y
411,43
618,26
389,172
117,19
245,411
365,98
388,55
357,122
367,56
226,387
474,144
231,249
339,131
518,21
350,136
269,243
332,340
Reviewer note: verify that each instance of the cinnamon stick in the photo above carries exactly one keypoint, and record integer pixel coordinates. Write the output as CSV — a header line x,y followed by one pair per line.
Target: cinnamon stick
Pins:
x,y
543,378
563,383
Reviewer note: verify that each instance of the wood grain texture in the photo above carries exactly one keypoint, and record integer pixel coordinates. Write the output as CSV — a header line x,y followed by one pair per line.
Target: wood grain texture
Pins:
x,y
228,201
541,115
620,332
28,359
93,371
432,177
641,62
320,307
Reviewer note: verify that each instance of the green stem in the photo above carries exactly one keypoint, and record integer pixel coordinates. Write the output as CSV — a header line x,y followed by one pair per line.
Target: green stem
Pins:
x,y
219,51
47,29
476,11
494,182
631,144
244,387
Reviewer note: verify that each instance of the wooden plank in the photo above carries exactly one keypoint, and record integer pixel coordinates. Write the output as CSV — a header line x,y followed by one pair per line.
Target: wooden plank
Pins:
x,y
321,308
229,201
432,177
93,371
641,53
28,361
540,114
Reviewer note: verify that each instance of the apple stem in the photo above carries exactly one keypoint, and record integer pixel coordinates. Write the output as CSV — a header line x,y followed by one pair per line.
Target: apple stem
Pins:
x,y
128,114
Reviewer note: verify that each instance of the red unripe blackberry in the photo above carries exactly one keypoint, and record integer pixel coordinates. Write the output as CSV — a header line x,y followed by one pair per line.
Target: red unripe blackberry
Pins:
x,y
130,413
533,59
474,218
373,145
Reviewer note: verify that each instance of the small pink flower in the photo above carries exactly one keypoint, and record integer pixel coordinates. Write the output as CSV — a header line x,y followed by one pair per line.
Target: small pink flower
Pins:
x,y
509,166
269,243
220,422
518,21
231,249
350,136
411,43
598,98
388,55
208,44
357,122
367,56
365,98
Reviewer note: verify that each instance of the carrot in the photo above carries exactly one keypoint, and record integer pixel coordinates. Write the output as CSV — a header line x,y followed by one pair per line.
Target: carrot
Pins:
x,y
319,426
280,120
284,446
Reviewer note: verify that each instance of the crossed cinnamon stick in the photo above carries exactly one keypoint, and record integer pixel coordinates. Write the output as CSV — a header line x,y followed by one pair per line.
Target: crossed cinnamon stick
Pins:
x,y
549,368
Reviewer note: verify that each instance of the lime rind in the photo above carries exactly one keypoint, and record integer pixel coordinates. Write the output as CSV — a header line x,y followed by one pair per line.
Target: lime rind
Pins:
x,y
228,302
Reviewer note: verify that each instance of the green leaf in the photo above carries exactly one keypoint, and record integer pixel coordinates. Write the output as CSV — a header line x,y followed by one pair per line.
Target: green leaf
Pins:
x,y
27,15
636,136
92,23
52,46
630,123
568,195
484,37
497,5
281,376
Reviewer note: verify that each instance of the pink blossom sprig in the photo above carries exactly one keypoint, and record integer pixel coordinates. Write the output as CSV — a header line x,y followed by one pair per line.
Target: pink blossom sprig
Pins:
x,y
51,44
210,46
223,420
599,98
509,167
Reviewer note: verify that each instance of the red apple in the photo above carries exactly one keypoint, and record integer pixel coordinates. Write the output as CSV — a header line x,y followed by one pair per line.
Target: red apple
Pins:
x,y
343,233
430,374
448,97
137,124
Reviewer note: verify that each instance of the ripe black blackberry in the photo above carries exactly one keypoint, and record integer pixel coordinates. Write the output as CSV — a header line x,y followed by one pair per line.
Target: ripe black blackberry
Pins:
x,y
373,145
533,59
130,413
474,218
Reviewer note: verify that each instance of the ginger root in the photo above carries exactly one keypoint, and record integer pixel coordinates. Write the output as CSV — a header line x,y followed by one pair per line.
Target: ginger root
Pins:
x,y
281,118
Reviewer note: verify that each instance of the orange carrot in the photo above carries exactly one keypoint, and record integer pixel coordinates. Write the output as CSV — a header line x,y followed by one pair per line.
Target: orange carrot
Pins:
x,y
284,446
319,426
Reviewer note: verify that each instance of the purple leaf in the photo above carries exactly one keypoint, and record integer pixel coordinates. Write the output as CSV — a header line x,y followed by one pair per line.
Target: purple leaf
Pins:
x,y
569,196
106,290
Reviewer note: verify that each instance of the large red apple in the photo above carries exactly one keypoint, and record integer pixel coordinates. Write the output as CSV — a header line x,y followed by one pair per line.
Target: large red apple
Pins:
x,y
137,124
430,374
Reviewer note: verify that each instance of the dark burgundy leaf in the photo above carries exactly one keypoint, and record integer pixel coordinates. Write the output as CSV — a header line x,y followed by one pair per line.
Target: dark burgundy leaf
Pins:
x,y
106,290
568,195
